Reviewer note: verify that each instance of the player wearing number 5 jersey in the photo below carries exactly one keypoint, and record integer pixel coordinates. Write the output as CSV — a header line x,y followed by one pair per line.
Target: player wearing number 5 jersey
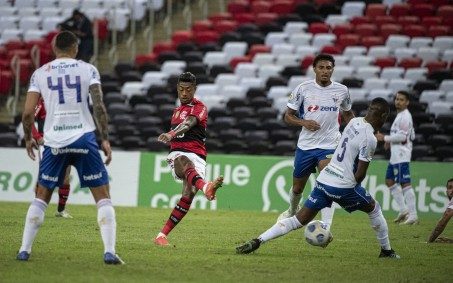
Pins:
x,y
340,181
65,84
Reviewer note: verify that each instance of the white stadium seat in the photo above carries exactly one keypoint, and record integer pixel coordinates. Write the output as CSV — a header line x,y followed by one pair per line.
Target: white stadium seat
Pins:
x,y
375,83
379,51
275,37
283,48
431,95
294,27
366,72
212,58
299,39
246,70
397,41
154,78
416,74
392,73
400,84
133,88
353,8
173,67
204,90
417,42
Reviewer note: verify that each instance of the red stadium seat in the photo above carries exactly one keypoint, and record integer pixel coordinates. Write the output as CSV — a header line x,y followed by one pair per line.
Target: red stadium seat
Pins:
x,y
145,58
408,63
6,82
332,49
181,36
399,9
439,3
260,7
14,44
103,29
422,10
258,48
163,46
204,37
380,20
265,18
408,20
51,35
414,30
22,53
415,2
384,62
236,60
238,6
340,29
349,39
202,25
242,18
428,21
307,61
445,11
224,26
388,29
315,28
220,17
373,10
436,65
434,31
369,41
360,20
282,7
365,29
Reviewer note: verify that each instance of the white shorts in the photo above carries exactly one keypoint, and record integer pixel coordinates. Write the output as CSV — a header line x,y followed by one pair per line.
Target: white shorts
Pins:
x,y
200,163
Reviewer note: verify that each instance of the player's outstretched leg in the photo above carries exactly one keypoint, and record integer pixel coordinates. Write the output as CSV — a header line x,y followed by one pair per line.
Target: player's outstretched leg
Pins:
x,y
33,220
248,247
380,227
63,193
294,207
210,188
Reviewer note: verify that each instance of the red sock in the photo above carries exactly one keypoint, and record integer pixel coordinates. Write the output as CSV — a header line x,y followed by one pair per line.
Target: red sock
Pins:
x,y
63,193
180,210
194,178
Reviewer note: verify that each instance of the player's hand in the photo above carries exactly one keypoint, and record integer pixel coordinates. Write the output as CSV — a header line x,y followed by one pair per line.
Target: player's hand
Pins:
x,y
40,141
30,145
379,136
107,151
311,125
165,138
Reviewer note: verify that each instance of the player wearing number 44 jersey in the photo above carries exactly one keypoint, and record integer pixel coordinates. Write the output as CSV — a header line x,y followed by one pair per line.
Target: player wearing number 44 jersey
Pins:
x,y
187,157
69,139
340,181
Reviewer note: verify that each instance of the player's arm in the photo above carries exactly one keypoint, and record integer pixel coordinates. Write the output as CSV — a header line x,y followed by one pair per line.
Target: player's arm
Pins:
x,y
347,116
360,174
441,224
101,119
180,129
28,119
291,119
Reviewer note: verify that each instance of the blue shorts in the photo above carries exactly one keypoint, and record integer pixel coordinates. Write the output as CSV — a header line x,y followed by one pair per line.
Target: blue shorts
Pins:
x,y
399,173
350,199
83,154
305,161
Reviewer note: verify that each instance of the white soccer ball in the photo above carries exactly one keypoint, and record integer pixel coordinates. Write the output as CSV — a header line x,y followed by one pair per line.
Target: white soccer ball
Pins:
x,y
317,234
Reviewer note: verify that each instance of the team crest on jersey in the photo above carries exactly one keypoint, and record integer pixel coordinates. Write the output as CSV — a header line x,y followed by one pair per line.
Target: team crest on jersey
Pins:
x,y
183,115
313,108
176,114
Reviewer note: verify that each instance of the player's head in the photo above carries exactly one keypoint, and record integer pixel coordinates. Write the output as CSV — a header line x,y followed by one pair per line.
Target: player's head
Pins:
x,y
323,65
77,15
65,44
402,99
378,111
187,84
450,188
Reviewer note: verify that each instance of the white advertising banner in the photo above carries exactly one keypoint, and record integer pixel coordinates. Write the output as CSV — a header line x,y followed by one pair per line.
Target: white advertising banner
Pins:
x,y
18,176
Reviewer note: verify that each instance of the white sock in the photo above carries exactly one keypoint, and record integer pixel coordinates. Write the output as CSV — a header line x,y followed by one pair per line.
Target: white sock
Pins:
x,y
33,220
379,225
294,200
107,224
327,215
280,228
397,194
409,197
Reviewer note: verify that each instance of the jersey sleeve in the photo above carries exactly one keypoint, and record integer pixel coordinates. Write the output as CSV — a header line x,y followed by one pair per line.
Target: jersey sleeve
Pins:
x,y
95,78
346,103
367,147
404,126
199,111
296,98
34,83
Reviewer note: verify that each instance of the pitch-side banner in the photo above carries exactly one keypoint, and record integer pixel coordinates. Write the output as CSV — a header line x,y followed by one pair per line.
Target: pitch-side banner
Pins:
x,y
18,176
262,183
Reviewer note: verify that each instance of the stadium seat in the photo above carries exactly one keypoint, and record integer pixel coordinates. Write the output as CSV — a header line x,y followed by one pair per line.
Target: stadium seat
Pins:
x,y
418,42
316,28
416,74
414,30
397,41
392,73
366,72
352,9
295,27
298,39
422,85
375,83
446,85
410,63
360,61
383,93
399,9
400,84
435,65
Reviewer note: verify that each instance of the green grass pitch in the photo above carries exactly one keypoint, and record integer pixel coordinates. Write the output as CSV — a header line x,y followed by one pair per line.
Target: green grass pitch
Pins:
x,y
203,249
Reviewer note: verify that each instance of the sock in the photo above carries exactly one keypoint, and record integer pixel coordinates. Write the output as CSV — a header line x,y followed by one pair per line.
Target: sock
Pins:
x,y
397,194
180,210
327,215
107,224
280,228
63,193
409,197
194,178
33,220
379,225
294,200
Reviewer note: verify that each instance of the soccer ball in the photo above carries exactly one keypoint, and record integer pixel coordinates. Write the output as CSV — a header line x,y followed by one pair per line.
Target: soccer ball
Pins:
x,y
316,234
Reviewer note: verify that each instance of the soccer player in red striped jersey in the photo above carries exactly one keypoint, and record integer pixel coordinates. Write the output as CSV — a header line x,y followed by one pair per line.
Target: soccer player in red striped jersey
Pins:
x,y
37,133
187,157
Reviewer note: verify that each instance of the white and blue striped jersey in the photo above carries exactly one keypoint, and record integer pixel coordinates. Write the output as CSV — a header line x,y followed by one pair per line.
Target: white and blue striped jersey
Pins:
x,y
321,104
357,143
64,86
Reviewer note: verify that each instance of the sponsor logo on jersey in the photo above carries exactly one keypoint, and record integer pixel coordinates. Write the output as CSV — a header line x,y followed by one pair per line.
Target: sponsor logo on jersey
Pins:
x,y
329,108
312,108
49,178
65,127
92,177
313,200
183,115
